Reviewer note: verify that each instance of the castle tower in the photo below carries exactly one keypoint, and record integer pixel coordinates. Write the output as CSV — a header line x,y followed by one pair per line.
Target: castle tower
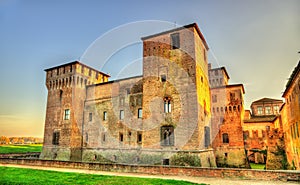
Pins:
x,y
66,85
176,96
227,119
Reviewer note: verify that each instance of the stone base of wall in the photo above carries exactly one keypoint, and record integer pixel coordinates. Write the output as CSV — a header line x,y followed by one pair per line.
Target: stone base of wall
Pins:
x,y
56,153
206,158
232,157
232,173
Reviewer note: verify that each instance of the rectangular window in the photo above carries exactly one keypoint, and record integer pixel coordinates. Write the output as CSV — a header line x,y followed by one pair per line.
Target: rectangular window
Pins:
x,y
207,136
55,138
268,110
297,130
140,113
167,106
163,78
104,116
103,137
121,137
67,114
121,114
259,110
292,132
225,138
276,109
90,116
214,98
127,91
139,137
167,136
175,41
232,96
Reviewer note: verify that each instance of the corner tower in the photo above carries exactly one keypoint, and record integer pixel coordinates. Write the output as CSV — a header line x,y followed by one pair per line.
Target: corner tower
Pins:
x,y
66,85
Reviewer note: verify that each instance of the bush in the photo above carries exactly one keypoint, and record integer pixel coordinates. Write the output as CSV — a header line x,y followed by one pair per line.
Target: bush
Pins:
x,y
185,159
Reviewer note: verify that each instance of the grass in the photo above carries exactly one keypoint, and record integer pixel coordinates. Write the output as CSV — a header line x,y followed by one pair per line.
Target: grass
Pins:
x,y
9,175
6,149
257,166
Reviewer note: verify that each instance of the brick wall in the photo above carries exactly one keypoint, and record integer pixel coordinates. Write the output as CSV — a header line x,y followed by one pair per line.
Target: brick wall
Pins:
x,y
166,170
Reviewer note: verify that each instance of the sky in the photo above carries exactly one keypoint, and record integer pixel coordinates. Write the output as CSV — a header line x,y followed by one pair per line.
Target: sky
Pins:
x,y
256,40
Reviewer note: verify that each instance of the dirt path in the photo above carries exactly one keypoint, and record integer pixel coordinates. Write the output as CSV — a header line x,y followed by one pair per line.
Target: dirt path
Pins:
x,y
212,181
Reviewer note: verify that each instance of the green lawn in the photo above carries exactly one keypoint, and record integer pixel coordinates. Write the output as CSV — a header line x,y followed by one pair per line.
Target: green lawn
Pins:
x,y
257,166
10,175
6,149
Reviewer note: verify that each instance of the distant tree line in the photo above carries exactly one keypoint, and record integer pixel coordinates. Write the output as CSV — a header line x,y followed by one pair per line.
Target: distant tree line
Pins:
x,y
20,140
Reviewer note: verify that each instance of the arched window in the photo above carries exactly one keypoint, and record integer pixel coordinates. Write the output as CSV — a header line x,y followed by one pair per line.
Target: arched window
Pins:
x,y
225,138
167,136
167,105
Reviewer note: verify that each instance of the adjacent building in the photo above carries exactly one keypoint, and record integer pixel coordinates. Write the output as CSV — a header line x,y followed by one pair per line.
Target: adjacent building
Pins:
x,y
257,126
227,102
290,118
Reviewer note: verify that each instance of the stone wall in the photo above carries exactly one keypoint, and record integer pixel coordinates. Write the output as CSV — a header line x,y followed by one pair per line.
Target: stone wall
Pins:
x,y
166,170
276,155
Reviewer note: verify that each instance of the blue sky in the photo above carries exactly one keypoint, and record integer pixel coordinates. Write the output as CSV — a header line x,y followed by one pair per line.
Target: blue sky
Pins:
x,y
256,40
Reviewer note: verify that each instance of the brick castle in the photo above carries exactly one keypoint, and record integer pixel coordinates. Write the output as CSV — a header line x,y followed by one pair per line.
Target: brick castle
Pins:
x,y
179,109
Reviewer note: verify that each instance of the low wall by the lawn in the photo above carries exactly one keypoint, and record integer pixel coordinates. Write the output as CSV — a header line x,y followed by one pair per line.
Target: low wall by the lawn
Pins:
x,y
233,173
30,155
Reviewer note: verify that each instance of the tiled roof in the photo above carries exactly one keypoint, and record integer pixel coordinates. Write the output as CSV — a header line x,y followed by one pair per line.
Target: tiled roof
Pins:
x,y
256,119
266,100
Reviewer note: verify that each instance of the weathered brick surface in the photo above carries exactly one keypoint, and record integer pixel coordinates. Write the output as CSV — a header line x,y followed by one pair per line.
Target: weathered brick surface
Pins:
x,y
66,86
290,118
228,113
268,175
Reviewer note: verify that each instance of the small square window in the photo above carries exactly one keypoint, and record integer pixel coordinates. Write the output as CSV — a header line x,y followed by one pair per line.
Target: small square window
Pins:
x,y
121,114
128,91
104,116
140,113
67,114
163,78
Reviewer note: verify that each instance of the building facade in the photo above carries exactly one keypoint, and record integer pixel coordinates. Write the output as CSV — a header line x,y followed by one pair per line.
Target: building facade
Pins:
x,y
147,119
261,126
227,102
290,118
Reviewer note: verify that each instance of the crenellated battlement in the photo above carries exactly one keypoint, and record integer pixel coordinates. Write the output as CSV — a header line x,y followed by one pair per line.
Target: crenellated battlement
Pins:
x,y
73,74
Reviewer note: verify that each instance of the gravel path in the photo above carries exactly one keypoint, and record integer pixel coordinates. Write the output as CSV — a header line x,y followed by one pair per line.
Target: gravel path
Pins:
x,y
211,181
